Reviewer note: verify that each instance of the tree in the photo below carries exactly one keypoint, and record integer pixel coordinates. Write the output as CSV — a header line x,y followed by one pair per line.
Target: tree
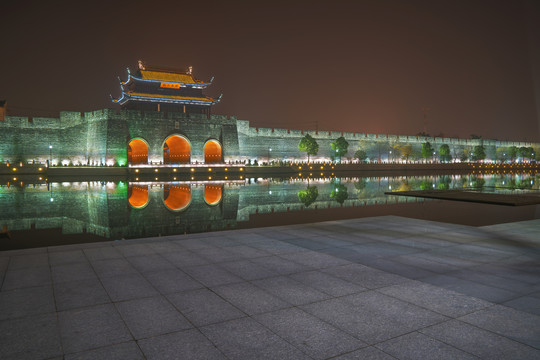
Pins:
x,y
444,153
512,152
525,152
427,150
479,153
502,154
422,133
406,151
308,196
339,147
361,155
474,136
339,193
309,145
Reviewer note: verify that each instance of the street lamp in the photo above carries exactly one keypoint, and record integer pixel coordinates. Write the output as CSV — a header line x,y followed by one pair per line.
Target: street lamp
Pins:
x,y
390,155
50,161
269,151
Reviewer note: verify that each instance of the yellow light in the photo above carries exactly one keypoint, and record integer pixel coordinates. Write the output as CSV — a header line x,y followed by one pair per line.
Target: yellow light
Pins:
x,y
174,178
311,168
192,169
40,178
137,179
209,169
209,178
241,177
299,168
226,169
156,170
174,170
136,170
15,179
192,178
156,178
322,167
14,169
241,169
40,169
226,177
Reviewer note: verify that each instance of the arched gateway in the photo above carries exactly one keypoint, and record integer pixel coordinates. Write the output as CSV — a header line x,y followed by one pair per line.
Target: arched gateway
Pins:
x,y
213,152
137,152
177,197
176,150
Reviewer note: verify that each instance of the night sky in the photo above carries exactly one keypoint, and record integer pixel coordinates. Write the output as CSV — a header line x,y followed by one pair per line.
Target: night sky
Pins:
x,y
363,66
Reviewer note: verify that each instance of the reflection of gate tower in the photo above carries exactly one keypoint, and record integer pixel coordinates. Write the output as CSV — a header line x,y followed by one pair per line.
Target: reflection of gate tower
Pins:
x,y
152,88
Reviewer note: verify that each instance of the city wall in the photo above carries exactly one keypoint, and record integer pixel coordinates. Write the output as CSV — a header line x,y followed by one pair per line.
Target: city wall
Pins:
x,y
101,138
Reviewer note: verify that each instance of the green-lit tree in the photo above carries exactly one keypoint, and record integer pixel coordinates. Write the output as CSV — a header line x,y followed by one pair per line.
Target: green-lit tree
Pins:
x,y
479,153
525,152
502,154
309,145
339,193
444,153
339,147
361,155
512,152
406,151
427,150
308,196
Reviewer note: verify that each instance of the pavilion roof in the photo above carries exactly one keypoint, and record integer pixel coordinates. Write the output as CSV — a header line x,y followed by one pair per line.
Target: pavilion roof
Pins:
x,y
167,76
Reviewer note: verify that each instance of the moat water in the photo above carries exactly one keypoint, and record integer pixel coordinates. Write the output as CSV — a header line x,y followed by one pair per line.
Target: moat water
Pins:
x,y
45,213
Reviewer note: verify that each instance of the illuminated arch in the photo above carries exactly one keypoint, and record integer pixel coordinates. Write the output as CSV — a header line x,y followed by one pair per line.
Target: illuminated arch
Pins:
x,y
177,197
213,152
176,150
213,194
137,151
138,196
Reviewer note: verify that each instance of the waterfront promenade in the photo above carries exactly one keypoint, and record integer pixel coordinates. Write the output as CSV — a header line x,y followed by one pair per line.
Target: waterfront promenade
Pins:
x,y
371,288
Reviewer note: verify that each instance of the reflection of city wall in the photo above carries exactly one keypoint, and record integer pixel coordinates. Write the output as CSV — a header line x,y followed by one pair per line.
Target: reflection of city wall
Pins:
x,y
107,209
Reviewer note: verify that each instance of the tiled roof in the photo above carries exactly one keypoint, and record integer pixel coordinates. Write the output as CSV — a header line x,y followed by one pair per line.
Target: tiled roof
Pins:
x,y
172,97
169,77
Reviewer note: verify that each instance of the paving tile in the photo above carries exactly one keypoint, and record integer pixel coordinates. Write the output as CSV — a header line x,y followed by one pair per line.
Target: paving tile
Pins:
x,y
128,287
127,350
373,317
67,257
217,254
247,270
290,290
25,302
365,276
32,337
133,249
314,259
247,252
102,253
446,302
247,339
390,265
164,246
276,247
203,307
150,263
309,334
189,344
530,304
16,279
327,283
414,346
72,272
28,261
172,281
280,266
367,353
151,317
91,327
113,267
519,326
80,293
211,275
249,298
426,264
184,258
471,288
479,342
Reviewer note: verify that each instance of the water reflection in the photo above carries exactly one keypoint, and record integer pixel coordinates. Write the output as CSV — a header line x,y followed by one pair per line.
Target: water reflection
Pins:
x,y
120,209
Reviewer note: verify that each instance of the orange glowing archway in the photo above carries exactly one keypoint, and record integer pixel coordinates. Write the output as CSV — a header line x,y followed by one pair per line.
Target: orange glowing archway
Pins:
x,y
213,194
138,196
137,151
176,197
212,152
176,150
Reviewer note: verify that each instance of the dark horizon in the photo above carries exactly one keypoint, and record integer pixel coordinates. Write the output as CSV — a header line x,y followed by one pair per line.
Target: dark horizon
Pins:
x,y
366,66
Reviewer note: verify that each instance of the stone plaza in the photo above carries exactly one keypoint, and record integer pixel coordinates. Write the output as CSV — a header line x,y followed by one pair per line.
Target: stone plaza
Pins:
x,y
371,288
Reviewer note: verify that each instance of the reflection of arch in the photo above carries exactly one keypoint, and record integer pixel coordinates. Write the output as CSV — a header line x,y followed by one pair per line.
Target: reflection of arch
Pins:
x,y
138,196
176,150
137,151
212,152
177,197
213,194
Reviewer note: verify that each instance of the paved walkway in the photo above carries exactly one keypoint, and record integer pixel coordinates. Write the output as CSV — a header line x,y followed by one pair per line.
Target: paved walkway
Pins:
x,y
371,288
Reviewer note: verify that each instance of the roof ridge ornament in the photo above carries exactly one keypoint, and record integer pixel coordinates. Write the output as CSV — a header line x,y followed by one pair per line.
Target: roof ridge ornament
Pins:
x,y
190,70
141,65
